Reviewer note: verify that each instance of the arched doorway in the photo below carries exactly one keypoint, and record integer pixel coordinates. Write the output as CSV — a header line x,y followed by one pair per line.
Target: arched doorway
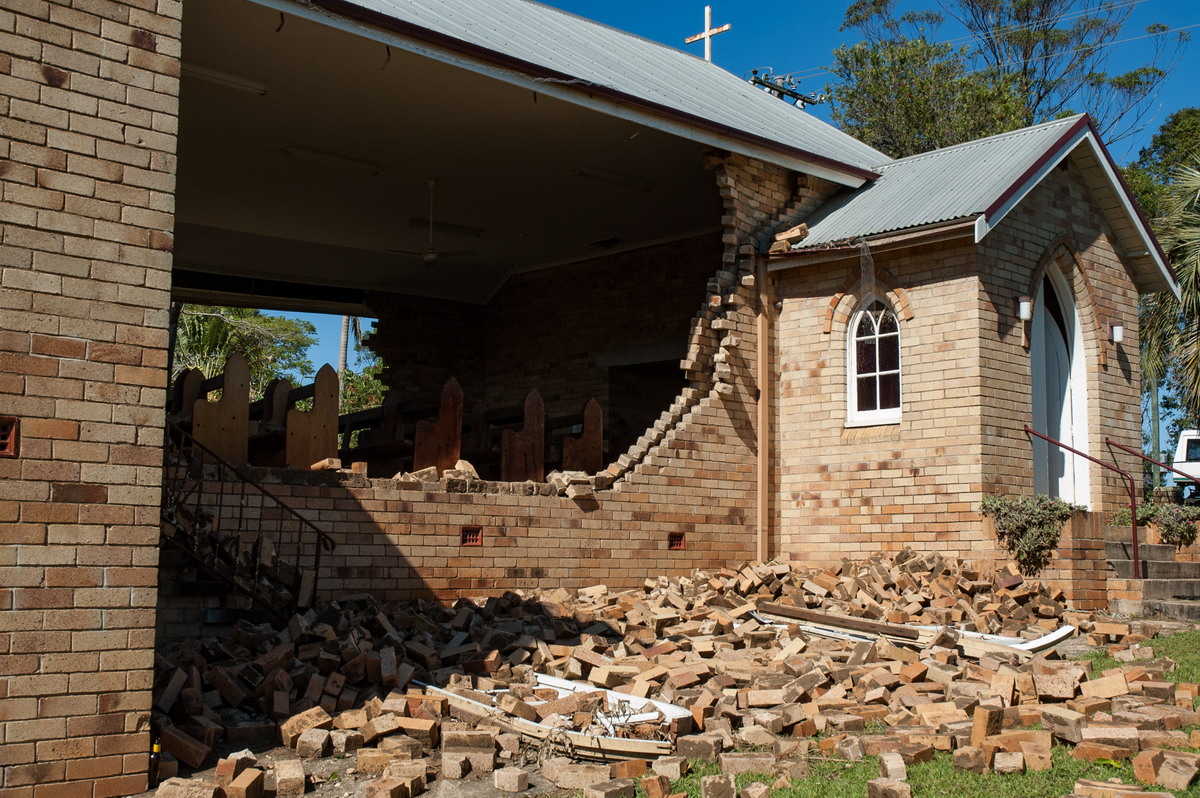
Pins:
x,y
1059,388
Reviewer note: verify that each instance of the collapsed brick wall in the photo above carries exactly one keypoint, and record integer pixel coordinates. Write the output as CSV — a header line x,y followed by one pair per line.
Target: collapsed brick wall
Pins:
x,y
690,478
88,101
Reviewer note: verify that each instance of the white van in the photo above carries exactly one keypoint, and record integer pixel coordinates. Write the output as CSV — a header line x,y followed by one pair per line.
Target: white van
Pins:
x,y
1187,457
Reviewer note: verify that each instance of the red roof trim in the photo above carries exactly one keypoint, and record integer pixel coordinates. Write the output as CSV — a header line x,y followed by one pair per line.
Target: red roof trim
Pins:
x,y
356,12
1050,152
1133,203
1084,124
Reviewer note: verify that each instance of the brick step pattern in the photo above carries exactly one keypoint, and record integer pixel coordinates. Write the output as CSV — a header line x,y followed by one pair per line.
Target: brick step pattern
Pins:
x,y
1168,588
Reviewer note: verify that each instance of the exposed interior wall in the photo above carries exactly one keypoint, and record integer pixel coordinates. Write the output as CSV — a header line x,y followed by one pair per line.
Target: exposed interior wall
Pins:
x,y
613,328
691,475
87,179
851,491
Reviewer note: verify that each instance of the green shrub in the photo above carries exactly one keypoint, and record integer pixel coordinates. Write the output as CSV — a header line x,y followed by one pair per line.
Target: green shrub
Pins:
x,y
1176,523
1145,514
1029,526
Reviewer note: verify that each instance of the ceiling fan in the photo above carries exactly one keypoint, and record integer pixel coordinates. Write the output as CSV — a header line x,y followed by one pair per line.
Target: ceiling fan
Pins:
x,y
431,255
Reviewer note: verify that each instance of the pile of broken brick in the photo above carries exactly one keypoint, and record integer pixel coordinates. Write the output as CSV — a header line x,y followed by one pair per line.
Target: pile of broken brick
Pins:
x,y
423,691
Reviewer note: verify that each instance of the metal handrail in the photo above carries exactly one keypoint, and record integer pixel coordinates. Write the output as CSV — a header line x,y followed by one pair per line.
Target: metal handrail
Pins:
x,y
1189,477
184,483
1137,570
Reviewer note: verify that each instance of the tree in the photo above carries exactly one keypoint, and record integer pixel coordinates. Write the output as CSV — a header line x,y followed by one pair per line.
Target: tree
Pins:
x,y
1175,144
1150,177
1057,51
904,94
274,346
362,389
1180,237
1029,61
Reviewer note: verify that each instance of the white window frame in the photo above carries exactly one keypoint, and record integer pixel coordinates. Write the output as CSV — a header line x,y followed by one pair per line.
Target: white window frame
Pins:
x,y
870,418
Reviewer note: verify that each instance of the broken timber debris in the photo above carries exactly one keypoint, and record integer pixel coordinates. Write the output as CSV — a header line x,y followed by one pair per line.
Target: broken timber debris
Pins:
x,y
351,674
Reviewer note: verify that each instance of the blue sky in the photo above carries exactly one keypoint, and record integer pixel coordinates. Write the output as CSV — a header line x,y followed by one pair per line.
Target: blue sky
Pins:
x,y
799,37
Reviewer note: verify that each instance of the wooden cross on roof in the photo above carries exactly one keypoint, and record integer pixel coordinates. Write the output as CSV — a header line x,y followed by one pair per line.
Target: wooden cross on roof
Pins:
x,y
707,34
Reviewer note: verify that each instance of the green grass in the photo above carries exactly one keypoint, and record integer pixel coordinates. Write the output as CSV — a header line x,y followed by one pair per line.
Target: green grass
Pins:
x,y
936,779
1099,661
939,779
1184,648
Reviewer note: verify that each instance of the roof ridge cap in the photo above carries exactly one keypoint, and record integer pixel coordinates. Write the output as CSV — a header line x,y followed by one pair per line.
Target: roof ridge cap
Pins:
x,y
1065,121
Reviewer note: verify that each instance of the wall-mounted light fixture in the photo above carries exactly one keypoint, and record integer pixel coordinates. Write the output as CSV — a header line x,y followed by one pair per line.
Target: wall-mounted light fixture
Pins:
x,y
1024,308
1116,332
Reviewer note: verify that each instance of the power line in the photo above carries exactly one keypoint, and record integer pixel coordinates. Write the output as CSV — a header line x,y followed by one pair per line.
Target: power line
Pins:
x,y
814,72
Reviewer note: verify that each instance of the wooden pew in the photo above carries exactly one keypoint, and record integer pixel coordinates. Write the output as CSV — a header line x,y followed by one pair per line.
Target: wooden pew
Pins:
x,y
586,453
438,442
311,435
523,452
268,420
224,426
184,396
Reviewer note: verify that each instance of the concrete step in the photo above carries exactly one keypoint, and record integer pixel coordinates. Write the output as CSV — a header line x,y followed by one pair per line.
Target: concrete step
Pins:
x,y
1178,609
1123,550
1157,569
1170,589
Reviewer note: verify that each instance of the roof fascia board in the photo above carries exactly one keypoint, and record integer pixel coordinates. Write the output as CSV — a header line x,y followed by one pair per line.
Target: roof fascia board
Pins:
x,y
363,22
1042,166
1082,132
942,231
1138,219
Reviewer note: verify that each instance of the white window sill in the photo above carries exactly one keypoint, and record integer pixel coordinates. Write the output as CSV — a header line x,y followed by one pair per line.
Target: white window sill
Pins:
x,y
873,421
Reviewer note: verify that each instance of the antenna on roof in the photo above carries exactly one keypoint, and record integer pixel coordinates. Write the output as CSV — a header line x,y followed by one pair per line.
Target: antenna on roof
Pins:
x,y
785,87
707,34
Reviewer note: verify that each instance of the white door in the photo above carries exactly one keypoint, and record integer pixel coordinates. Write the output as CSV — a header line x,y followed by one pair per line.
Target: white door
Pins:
x,y
1059,393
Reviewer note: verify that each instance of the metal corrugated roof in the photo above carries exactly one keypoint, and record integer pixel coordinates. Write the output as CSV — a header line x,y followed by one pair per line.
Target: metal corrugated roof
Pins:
x,y
953,183
592,54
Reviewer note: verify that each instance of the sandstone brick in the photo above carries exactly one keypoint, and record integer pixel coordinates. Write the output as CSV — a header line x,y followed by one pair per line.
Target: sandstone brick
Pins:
x,y
613,788
510,779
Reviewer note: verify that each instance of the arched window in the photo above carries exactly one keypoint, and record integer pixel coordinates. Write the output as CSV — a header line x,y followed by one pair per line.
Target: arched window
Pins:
x,y
873,366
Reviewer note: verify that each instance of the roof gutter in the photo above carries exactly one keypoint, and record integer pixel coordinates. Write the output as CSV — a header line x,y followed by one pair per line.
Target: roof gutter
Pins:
x,y
349,10
929,234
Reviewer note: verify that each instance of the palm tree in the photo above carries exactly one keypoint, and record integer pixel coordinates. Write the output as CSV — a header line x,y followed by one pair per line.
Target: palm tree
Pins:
x,y
350,324
1174,326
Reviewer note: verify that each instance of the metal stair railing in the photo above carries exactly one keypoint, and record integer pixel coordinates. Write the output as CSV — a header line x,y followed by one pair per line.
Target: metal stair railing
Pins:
x,y
1172,469
236,530
1137,569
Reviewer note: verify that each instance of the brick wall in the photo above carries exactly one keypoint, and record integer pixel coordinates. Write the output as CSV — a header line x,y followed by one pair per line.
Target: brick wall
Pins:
x,y
847,491
693,473
87,136
557,330
966,394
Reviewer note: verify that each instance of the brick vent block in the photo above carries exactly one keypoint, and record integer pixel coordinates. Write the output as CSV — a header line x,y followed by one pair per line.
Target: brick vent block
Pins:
x,y
9,436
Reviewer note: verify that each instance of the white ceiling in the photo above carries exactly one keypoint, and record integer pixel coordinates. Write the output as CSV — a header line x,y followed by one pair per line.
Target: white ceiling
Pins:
x,y
508,163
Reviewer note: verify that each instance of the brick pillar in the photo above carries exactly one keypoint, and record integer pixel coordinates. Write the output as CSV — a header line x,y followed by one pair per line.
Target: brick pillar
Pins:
x,y
1081,569
88,102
